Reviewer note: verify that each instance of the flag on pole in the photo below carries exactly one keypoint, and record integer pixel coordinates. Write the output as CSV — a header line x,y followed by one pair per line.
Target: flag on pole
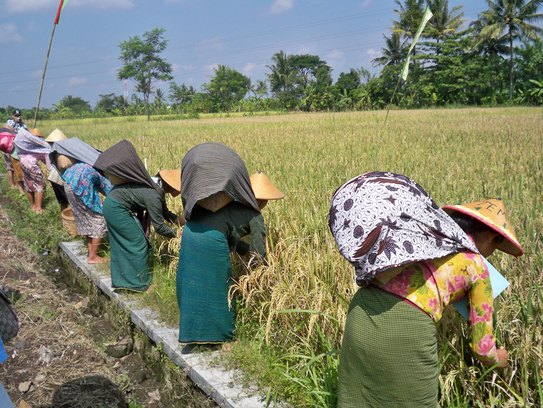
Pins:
x,y
61,5
425,18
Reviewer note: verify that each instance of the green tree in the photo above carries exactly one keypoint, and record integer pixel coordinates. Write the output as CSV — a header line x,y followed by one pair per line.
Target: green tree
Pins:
x,y
227,88
143,62
444,22
394,51
181,95
410,13
73,104
110,103
514,20
282,79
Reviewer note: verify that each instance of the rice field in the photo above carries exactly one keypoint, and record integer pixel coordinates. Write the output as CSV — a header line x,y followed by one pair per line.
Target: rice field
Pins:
x,y
292,310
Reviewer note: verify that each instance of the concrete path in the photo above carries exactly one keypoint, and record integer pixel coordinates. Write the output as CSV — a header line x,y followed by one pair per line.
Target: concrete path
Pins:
x,y
223,386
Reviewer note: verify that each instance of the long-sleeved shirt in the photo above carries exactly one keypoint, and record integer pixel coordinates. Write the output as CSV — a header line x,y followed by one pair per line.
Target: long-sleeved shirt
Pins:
x,y
137,197
432,285
86,183
235,221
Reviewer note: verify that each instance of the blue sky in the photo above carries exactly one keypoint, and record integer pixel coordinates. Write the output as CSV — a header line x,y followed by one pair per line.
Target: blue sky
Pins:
x,y
243,35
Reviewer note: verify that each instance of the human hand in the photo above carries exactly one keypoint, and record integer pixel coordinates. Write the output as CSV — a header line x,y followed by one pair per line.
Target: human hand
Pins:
x,y
502,356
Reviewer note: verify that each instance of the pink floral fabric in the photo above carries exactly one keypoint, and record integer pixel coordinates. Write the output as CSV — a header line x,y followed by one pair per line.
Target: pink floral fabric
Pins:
x,y
432,285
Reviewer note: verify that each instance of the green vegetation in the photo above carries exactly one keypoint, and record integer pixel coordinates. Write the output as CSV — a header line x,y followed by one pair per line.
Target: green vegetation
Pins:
x,y
292,311
495,60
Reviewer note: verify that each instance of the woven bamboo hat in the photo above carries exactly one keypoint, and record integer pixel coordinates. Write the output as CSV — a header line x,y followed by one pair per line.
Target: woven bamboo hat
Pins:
x,y
491,213
37,132
263,188
63,162
55,136
172,178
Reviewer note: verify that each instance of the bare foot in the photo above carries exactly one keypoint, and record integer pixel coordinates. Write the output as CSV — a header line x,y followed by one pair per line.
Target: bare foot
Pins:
x,y
97,260
227,347
37,210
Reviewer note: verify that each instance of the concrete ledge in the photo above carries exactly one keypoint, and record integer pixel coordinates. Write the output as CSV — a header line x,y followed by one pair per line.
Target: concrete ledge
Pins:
x,y
223,386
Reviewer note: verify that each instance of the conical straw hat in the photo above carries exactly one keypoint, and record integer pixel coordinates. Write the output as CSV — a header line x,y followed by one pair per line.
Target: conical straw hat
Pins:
x,y
63,162
215,201
264,188
55,136
36,132
491,213
171,178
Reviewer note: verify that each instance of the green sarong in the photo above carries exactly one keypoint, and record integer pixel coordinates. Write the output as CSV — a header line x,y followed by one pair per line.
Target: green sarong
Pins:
x,y
389,354
129,264
204,276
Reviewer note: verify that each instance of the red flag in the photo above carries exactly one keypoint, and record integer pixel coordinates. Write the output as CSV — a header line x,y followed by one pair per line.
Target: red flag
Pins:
x,y
61,5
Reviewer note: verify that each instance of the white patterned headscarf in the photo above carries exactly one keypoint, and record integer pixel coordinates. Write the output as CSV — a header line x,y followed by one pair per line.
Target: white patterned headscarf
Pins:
x,y
383,220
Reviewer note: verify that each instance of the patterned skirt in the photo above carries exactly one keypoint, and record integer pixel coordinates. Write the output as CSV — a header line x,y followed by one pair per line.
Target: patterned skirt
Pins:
x,y
7,160
87,222
34,180
389,354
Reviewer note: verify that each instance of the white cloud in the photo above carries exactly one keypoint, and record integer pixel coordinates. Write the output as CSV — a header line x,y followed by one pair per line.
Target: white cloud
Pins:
x,y
9,34
364,5
76,81
210,69
28,6
280,6
249,68
103,4
215,43
335,57
373,53
182,67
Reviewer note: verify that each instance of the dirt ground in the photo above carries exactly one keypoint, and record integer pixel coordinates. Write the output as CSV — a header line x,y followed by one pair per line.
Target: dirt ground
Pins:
x,y
58,358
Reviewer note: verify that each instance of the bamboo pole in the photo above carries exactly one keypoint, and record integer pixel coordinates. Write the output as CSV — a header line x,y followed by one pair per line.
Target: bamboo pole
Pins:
x,y
43,75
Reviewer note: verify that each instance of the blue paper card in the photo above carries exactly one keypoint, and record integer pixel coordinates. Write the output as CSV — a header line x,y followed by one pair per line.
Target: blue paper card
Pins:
x,y
499,284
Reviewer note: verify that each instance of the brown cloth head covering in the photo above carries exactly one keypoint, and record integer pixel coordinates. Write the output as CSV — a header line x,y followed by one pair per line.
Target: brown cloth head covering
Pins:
x,y
211,168
123,161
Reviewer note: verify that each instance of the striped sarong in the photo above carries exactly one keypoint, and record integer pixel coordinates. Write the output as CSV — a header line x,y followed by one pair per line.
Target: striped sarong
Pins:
x,y
204,276
389,354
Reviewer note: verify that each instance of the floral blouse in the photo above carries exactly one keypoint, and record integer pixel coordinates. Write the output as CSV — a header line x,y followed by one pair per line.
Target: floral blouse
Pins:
x,y
86,183
432,285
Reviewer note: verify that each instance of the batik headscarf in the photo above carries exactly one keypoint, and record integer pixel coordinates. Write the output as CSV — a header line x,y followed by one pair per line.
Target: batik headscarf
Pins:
x,y
384,220
27,143
210,168
123,161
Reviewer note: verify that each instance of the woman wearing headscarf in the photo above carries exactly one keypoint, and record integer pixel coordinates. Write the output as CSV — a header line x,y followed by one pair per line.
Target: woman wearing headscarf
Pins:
x,y
219,207
411,259
83,185
134,193
57,184
32,149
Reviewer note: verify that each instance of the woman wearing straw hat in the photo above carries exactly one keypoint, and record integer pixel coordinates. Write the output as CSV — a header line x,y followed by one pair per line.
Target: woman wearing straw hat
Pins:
x,y
220,207
32,149
83,186
134,199
54,177
411,259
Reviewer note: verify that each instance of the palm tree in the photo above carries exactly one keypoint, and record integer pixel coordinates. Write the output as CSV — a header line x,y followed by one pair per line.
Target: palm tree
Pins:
x,y
511,19
410,13
444,22
393,53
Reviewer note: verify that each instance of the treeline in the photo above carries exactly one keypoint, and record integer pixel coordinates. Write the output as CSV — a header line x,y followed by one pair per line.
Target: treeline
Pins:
x,y
495,60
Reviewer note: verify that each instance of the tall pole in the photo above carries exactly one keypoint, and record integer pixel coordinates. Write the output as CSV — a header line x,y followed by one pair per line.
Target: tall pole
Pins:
x,y
43,74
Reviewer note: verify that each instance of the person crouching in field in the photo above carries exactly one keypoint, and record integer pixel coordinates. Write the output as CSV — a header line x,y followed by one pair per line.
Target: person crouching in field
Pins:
x,y
57,184
411,259
134,198
32,149
220,208
83,186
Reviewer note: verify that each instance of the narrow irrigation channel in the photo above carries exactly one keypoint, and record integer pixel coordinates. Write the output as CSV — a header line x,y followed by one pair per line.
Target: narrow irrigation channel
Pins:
x,y
75,347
